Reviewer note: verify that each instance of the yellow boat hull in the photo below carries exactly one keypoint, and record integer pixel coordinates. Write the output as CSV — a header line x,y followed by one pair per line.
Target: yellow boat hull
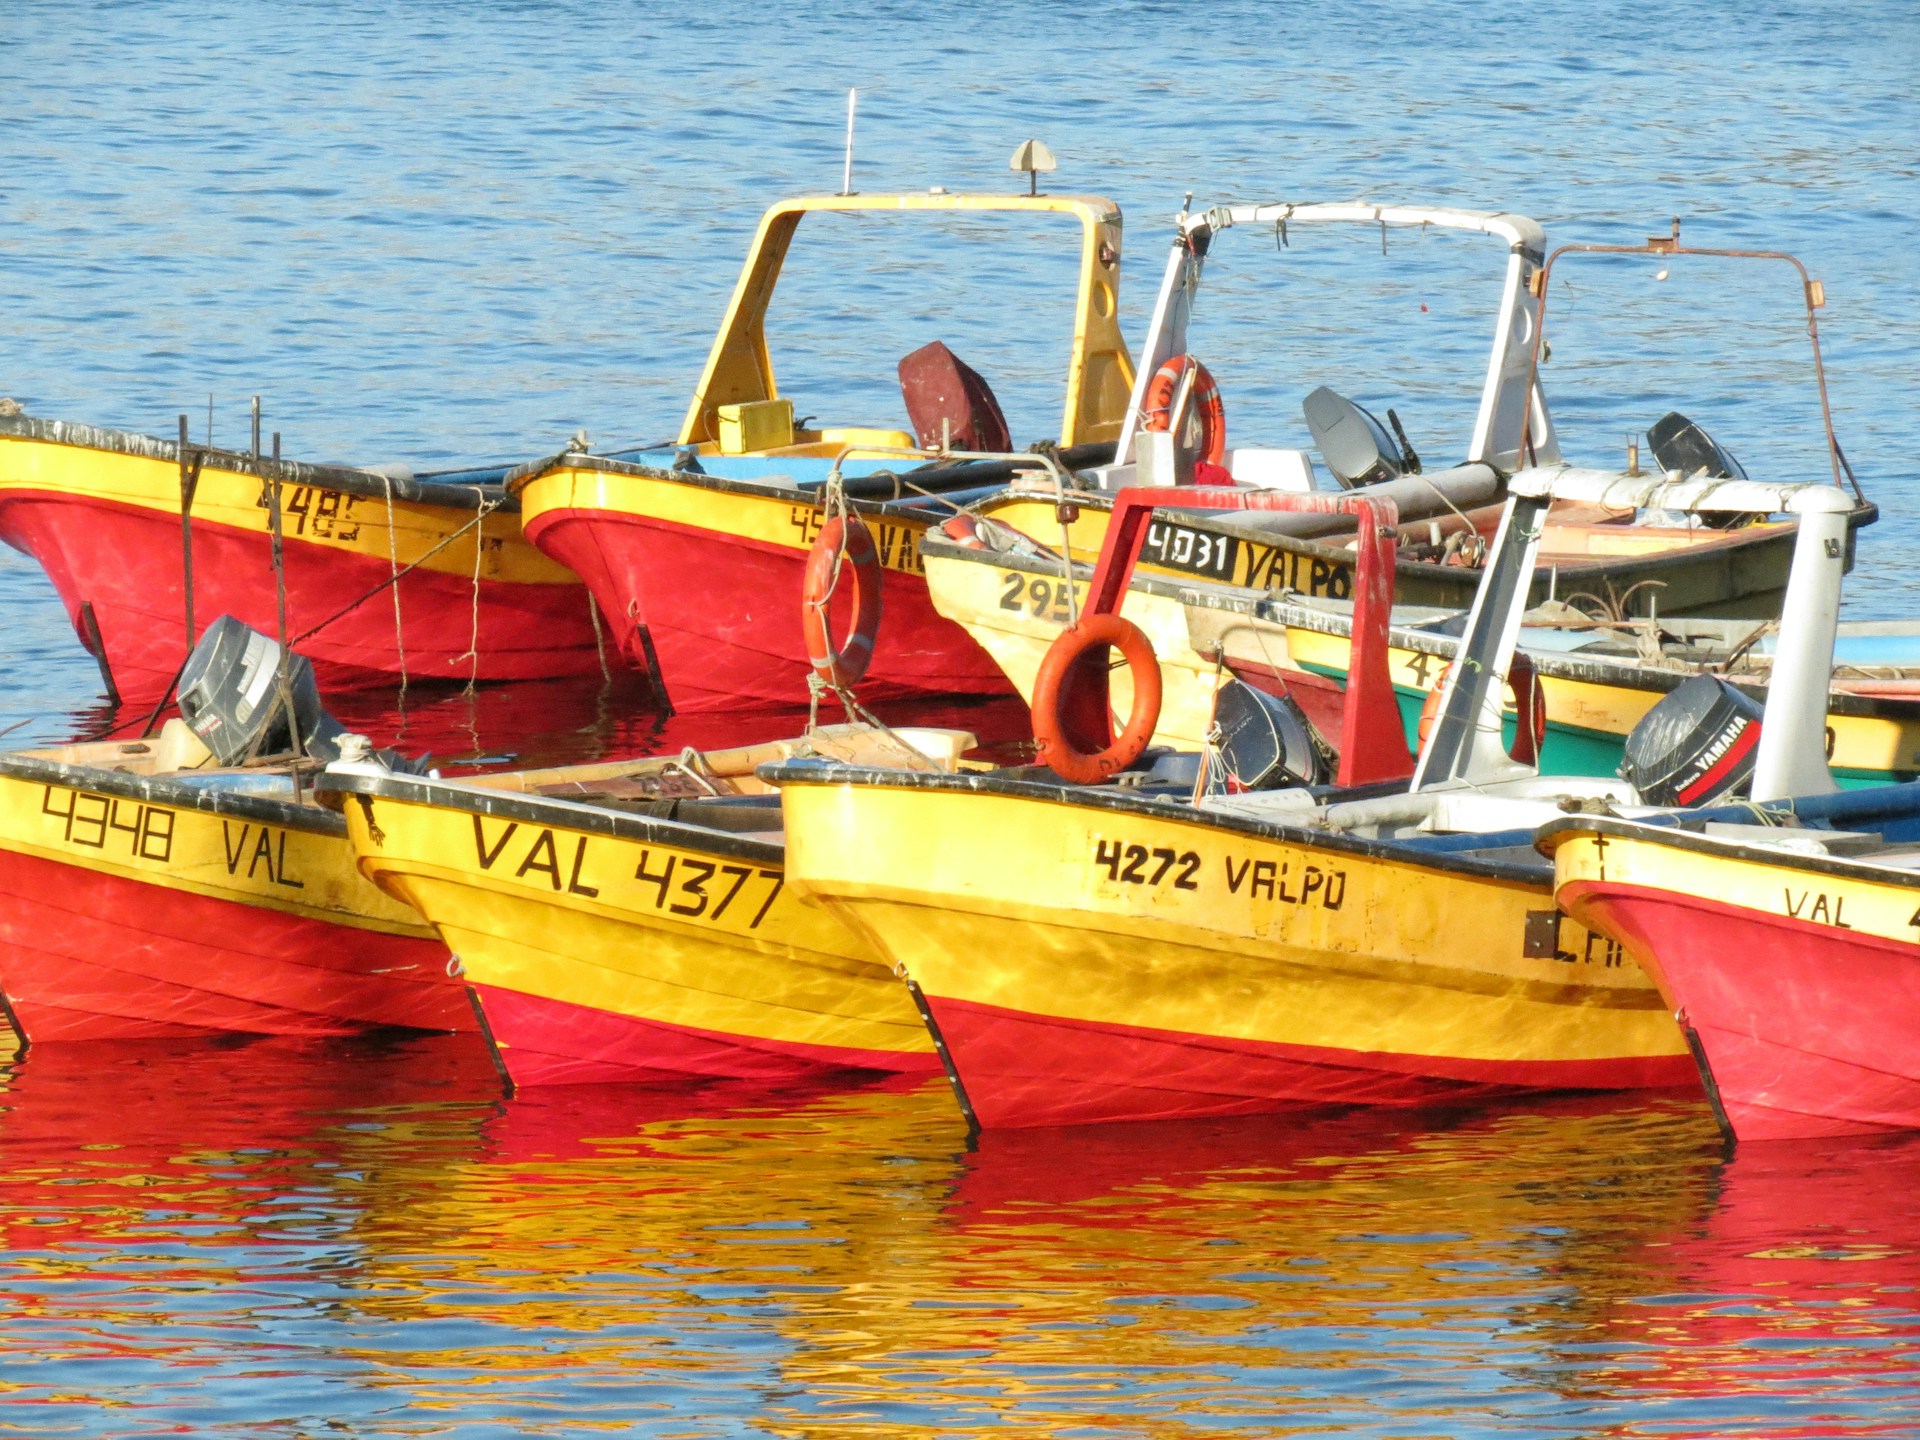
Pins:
x,y
606,946
1085,956
1588,719
1015,613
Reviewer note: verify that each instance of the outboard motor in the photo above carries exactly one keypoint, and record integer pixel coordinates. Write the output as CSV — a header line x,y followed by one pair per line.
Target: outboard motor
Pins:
x,y
1356,447
1265,743
1679,444
1698,744
938,386
230,697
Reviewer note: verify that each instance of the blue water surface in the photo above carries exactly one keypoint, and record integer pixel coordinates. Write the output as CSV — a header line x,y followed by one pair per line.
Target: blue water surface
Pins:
x,y
444,232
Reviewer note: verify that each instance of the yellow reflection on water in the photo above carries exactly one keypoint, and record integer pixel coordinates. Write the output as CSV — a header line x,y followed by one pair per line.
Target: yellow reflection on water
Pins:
x,y
843,1261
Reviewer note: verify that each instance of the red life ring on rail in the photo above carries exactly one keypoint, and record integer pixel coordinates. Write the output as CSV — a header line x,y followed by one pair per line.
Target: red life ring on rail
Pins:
x,y
848,541
1074,745
1530,719
1157,413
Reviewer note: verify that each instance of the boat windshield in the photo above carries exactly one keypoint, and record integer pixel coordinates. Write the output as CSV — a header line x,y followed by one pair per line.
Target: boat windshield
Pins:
x,y
1409,331
1720,339
862,289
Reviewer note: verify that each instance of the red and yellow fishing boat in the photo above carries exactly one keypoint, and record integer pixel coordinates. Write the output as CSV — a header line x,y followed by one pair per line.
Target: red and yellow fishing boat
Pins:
x,y
1095,952
697,558
388,576
146,893
631,921
1089,954
1790,955
1171,946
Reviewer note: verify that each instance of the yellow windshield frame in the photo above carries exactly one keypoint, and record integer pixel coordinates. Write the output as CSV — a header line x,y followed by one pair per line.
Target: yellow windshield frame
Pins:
x,y
1099,369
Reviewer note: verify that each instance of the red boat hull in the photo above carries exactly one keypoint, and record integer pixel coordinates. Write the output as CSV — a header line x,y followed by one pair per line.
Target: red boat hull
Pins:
x,y
1025,1070
125,560
550,1042
722,613
91,956
1803,1029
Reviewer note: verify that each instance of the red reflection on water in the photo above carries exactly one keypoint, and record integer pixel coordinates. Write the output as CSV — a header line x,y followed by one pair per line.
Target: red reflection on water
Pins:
x,y
1798,1282
1011,1174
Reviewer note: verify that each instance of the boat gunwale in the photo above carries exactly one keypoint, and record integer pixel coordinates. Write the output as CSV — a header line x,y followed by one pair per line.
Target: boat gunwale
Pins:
x,y
1635,568
548,810
907,506
1120,801
1549,836
174,793
345,479
1283,609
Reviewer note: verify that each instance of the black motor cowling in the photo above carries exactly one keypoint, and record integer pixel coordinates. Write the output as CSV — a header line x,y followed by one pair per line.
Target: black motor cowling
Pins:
x,y
230,697
1698,744
1265,742
1679,444
1355,446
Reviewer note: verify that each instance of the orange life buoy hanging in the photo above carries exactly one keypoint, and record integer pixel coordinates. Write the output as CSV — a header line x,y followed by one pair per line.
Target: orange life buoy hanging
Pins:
x,y
1071,719
1530,709
1530,719
843,541
1157,412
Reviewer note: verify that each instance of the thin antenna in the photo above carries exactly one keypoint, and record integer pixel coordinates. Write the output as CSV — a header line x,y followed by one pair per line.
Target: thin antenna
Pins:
x,y
846,177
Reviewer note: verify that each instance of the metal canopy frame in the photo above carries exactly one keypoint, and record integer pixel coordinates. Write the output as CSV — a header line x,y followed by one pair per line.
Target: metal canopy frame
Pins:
x,y
1509,398
1812,293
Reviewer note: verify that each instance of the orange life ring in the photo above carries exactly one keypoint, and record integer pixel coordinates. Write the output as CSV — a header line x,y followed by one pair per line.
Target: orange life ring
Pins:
x,y
1157,413
845,664
1079,746
1530,720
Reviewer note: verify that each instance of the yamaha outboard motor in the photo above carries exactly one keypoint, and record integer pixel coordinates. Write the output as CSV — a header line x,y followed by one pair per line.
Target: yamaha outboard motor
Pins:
x,y
230,697
1265,743
1356,447
1698,744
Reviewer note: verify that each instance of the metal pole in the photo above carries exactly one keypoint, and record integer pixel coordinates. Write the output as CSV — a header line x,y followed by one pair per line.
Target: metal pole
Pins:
x,y
846,178
284,680
189,482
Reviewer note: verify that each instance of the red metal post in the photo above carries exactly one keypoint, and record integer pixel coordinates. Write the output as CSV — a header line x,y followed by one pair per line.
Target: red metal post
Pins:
x,y
1373,740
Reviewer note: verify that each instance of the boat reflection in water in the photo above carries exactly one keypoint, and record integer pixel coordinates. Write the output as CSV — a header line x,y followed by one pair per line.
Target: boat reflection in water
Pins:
x,y
363,1233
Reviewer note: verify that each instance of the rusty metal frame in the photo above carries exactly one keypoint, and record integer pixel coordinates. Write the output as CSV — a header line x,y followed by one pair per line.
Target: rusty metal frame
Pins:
x,y
1812,293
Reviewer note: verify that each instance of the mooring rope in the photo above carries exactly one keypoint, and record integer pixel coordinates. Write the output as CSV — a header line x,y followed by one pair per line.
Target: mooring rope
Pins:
x,y
473,638
393,578
487,507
